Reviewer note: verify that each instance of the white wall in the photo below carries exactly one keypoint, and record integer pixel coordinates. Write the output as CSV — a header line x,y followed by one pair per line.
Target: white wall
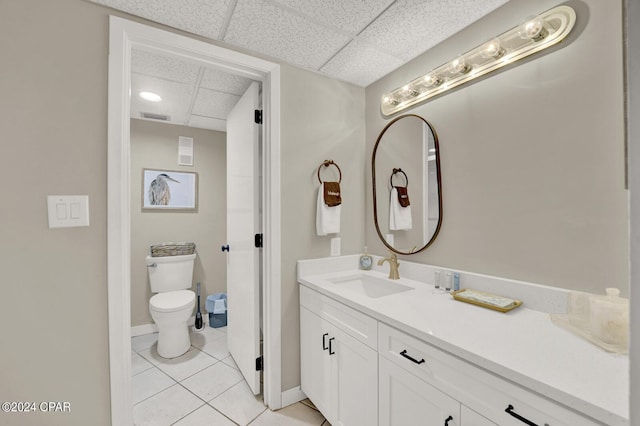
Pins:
x,y
155,146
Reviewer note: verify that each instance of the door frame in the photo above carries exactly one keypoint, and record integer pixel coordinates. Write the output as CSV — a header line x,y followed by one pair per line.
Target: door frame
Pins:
x,y
123,35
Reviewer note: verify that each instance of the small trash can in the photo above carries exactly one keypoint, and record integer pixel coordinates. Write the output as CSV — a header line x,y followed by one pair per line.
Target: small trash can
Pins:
x,y
216,306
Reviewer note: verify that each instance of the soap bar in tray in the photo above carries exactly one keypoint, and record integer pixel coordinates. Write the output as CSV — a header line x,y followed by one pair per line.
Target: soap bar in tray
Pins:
x,y
486,300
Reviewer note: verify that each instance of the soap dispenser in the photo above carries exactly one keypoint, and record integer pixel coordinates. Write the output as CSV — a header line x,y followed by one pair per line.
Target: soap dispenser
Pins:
x,y
365,260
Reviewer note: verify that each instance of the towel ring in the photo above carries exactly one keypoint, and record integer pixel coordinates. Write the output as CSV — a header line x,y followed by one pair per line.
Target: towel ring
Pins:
x,y
328,163
395,171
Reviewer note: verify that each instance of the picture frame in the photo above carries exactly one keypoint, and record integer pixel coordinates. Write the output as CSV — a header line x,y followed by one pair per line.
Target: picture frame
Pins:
x,y
169,190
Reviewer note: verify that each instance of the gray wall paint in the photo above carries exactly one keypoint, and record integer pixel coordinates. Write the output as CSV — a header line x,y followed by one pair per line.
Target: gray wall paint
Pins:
x,y
53,297
532,157
155,146
54,123
633,122
53,106
321,119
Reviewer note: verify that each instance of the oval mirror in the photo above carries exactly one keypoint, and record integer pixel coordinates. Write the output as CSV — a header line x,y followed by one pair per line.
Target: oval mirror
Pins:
x,y
407,202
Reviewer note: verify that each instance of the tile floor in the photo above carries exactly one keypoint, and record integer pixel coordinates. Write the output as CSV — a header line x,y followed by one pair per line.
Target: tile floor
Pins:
x,y
202,387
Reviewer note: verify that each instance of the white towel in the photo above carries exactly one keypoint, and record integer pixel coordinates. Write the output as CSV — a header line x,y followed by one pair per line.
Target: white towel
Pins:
x,y
327,218
399,217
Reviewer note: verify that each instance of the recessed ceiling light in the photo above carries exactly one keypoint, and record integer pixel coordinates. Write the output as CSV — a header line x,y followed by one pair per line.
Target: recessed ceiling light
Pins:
x,y
150,96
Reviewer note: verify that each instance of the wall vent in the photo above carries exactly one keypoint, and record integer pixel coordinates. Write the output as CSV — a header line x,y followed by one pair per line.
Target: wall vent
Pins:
x,y
185,151
151,116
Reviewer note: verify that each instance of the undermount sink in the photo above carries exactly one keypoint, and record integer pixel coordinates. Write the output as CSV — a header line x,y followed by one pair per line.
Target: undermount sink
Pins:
x,y
369,285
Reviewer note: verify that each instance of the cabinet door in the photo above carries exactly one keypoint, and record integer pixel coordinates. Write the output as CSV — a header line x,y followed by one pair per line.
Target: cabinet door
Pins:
x,y
315,363
355,378
471,418
407,400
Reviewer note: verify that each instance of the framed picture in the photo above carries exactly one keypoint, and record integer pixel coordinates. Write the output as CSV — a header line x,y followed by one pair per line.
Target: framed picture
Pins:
x,y
169,190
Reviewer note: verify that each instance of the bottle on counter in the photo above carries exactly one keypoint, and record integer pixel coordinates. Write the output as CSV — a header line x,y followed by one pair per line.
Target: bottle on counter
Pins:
x,y
366,261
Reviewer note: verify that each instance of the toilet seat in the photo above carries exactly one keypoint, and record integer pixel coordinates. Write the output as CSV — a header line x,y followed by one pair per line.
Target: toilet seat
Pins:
x,y
172,301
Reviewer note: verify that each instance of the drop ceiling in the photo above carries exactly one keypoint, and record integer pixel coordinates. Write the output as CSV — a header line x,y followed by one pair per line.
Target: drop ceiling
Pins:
x,y
357,41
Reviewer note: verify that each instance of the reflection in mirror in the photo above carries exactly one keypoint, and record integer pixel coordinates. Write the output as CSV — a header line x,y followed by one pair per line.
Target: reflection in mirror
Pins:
x,y
405,165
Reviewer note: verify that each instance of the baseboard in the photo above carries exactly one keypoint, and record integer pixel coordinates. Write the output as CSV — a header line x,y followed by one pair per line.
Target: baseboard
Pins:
x,y
140,330
293,395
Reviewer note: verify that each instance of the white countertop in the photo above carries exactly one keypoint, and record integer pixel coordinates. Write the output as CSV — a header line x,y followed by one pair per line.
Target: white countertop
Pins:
x,y
523,345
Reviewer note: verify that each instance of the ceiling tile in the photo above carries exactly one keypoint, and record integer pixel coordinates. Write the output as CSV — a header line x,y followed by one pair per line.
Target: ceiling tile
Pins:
x,y
203,17
163,66
225,82
210,103
361,64
176,98
273,31
208,123
410,27
350,16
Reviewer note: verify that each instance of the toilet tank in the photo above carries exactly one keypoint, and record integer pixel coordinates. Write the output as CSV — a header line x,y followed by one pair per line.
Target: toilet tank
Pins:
x,y
170,272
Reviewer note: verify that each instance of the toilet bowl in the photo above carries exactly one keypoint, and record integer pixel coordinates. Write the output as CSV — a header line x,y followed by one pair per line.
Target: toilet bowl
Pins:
x,y
170,277
171,311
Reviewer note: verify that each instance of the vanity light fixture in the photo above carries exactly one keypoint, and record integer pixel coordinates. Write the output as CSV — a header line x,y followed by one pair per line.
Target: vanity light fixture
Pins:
x,y
532,36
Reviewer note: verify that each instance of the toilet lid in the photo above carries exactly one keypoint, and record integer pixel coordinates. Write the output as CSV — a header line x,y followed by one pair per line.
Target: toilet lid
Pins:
x,y
172,300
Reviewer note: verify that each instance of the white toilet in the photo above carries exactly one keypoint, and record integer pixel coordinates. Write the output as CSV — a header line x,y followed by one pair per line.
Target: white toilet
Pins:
x,y
172,306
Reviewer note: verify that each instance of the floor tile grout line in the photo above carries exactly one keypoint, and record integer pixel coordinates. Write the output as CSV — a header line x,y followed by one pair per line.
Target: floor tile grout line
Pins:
x,y
175,382
223,414
207,402
191,375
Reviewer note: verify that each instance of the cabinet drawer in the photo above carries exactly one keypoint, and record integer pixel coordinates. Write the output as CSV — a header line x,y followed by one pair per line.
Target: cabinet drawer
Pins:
x,y
483,392
354,323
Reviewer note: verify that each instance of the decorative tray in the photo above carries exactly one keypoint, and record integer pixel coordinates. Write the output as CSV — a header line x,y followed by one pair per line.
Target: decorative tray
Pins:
x,y
486,300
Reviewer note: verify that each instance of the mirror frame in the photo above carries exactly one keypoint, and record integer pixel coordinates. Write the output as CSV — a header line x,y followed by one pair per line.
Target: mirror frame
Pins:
x,y
373,176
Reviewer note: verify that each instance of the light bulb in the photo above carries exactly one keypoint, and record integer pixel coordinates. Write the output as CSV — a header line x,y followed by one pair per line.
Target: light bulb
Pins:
x,y
492,49
533,29
407,90
431,80
459,66
390,100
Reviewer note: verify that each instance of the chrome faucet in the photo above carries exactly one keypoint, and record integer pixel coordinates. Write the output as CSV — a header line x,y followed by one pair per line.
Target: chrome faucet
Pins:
x,y
393,265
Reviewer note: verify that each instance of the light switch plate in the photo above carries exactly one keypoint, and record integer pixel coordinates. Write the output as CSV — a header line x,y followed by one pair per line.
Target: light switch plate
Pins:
x,y
68,211
335,246
390,239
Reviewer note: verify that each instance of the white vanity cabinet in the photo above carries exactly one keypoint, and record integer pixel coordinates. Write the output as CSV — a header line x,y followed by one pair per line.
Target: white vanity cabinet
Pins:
x,y
484,398
407,400
469,417
361,371
339,362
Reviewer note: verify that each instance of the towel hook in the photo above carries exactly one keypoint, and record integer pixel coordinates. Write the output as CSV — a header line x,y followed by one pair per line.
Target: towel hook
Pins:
x,y
328,163
395,171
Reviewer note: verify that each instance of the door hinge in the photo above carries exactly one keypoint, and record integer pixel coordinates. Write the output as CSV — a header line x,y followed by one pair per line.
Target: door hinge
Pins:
x,y
257,116
259,363
257,240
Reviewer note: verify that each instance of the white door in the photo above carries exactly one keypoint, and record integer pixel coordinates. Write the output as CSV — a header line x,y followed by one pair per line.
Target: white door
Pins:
x,y
243,222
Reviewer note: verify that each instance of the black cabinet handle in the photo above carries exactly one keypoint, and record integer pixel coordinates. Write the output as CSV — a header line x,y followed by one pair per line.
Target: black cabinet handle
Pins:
x,y
512,413
225,248
331,352
409,357
324,342
448,419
